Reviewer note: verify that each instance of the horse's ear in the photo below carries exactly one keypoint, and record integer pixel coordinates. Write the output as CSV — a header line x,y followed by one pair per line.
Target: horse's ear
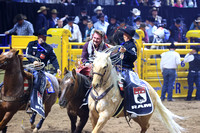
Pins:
x,y
17,52
74,73
65,71
10,47
108,54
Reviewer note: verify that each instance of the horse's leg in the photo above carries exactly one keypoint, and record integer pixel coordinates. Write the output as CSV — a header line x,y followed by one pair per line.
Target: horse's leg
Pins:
x,y
143,121
7,117
4,129
93,120
32,120
73,120
103,118
83,120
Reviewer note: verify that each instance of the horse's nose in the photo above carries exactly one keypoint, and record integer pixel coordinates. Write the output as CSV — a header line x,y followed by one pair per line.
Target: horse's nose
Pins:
x,y
62,103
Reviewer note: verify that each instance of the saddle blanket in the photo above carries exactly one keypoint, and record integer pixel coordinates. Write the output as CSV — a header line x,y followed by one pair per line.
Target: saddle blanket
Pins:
x,y
137,99
50,89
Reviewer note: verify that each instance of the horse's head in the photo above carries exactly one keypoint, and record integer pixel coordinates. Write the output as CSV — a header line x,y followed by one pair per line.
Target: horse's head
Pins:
x,y
7,57
101,69
68,86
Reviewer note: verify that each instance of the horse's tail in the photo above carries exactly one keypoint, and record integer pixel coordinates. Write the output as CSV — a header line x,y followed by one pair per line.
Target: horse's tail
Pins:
x,y
167,117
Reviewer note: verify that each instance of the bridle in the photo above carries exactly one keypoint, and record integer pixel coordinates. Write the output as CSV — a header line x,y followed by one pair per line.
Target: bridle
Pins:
x,y
102,75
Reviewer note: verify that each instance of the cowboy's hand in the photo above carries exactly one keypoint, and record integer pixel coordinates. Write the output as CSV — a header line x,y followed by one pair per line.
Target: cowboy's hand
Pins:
x,y
7,32
36,63
59,72
122,50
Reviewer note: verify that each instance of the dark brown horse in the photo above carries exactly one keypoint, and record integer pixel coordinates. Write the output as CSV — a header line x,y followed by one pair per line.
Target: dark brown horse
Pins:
x,y
74,86
12,93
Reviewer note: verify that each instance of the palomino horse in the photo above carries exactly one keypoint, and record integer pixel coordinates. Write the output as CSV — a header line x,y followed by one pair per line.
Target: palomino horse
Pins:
x,y
108,98
74,87
14,97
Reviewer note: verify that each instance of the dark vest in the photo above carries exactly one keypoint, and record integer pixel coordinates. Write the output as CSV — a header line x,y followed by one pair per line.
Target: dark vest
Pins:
x,y
195,64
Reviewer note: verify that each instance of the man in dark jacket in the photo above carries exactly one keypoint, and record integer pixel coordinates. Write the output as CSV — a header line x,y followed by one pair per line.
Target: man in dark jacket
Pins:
x,y
44,52
194,73
53,20
112,27
83,25
41,21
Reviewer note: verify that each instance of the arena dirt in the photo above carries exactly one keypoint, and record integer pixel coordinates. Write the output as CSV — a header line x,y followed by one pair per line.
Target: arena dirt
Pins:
x,y
58,121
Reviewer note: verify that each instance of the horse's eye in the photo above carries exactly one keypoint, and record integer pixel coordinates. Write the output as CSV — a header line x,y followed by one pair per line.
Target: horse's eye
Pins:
x,y
105,67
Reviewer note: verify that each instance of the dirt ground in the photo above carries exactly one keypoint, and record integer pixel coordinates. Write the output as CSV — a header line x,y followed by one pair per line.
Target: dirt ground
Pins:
x,y
58,121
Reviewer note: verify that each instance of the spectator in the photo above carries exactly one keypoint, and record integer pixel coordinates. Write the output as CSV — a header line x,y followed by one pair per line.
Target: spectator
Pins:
x,y
83,25
22,27
75,31
147,3
142,27
59,23
98,10
112,27
178,4
101,24
151,29
137,23
106,2
97,42
89,31
196,24
83,13
41,21
194,73
169,62
177,32
120,2
154,14
135,14
67,2
53,20
92,2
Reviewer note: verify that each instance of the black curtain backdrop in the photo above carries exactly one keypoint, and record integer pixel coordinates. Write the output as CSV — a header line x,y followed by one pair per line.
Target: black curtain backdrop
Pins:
x,y
8,10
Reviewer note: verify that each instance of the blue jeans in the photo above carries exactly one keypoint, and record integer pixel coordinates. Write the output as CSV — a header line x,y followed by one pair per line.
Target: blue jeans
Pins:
x,y
193,77
169,76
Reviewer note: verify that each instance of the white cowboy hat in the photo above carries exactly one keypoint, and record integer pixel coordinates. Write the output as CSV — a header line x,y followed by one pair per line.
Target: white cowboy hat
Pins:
x,y
42,8
98,8
136,11
198,20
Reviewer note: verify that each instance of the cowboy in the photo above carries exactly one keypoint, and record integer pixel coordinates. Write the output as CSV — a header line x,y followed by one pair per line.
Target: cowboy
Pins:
x,y
98,10
135,14
41,21
53,20
44,52
194,72
97,42
22,27
154,14
82,14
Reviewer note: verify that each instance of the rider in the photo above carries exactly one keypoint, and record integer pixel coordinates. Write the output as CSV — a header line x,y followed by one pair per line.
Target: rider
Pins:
x,y
44,52
97,42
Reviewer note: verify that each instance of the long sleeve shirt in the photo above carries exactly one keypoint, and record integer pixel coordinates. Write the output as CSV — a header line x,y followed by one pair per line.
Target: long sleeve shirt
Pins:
x,y
75,31
25,29
101,26
170,60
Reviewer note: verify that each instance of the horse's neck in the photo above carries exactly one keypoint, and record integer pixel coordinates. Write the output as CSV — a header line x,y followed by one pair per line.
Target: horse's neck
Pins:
x,y
13,79
111,79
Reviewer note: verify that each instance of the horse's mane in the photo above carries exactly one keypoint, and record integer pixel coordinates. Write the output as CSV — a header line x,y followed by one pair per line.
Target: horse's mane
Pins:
x,y
21,57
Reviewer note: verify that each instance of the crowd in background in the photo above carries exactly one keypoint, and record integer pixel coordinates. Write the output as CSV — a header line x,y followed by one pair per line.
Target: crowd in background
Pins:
x,y
157,3
82,26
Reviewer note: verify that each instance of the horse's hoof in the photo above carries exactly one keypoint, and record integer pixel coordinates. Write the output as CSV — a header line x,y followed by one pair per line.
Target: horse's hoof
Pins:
x,y
35,130
32,126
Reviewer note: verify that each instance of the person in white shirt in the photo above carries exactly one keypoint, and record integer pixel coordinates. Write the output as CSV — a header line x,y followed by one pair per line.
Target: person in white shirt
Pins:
x,y
169,62
101,24
75,31
194,73
151,28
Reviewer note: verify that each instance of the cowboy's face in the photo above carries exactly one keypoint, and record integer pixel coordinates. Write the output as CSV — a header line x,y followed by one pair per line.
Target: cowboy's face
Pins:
x,y
154,13
102,18
20,22
112,21
44,12
198,23
70,23
60,23
83,13
99,11
177,25
42,37
126,37
97,39
54,15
